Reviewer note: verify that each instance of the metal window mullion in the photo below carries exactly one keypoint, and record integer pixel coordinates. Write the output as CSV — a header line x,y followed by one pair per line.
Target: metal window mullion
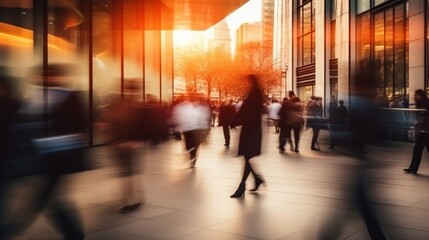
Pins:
x,y
384,52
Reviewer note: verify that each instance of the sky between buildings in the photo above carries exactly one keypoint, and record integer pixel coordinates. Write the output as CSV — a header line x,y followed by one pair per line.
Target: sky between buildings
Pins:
x,y
248,13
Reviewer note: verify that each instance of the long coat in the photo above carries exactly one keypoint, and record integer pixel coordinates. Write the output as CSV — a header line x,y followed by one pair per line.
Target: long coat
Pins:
x,y
249,116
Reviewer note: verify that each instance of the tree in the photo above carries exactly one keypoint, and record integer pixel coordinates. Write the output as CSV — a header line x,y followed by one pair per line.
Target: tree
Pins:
x,y
186,65
251,58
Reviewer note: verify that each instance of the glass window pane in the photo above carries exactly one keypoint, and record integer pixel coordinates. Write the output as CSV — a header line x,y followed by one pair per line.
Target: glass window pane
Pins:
x,y
379,47
167,67
389,52
299,52
307,18
307,54
16,38
106,71
362,5
400,50
378,2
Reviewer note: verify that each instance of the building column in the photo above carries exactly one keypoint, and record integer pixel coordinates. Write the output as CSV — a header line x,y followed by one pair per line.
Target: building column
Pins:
x,y
343,35
416,55
320,86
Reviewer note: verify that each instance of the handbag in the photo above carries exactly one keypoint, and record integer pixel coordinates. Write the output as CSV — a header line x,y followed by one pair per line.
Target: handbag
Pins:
x,y
62,143
63,154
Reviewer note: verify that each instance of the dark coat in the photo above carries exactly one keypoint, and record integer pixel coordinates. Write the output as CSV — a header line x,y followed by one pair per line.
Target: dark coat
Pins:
x,y
69,117
249,116
314,116
226,113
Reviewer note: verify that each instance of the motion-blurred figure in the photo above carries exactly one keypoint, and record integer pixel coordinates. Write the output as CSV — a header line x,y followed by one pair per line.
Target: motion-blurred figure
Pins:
x,y
9,105
273,113
249,116
54,112
338,122
363,131
193,118
422,139
285,124
133,122
314,120
226,112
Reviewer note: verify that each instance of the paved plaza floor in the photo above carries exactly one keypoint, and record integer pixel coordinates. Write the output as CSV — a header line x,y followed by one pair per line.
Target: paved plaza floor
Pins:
x,y
303,193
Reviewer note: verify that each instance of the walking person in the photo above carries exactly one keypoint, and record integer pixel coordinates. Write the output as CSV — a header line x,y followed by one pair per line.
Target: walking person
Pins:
x,y
193,118
226,112
333,105
67,118
249,116
422,139
285,125
296,120
314,120
273,113
338,122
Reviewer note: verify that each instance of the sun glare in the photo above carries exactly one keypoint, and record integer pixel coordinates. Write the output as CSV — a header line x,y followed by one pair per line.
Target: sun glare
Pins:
x,y
182,37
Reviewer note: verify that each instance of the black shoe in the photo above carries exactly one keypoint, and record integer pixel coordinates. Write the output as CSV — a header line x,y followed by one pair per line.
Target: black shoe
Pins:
x,y
282,150
226,144
315,149
131,207
258,182
239,192
409,170
296,150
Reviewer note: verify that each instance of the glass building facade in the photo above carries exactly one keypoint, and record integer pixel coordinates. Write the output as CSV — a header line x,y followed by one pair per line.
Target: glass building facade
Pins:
x,y
385,46
332,41
112,43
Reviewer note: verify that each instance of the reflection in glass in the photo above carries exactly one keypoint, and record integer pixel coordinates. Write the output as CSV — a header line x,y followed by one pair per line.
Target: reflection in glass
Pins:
x,y
306,36
388,38
388,54
379,49
305,93
400,51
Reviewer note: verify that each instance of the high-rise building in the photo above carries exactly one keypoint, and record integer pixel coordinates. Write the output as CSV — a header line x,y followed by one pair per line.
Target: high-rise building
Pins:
x,y
111,42
323,45
221,37
248,32
267,23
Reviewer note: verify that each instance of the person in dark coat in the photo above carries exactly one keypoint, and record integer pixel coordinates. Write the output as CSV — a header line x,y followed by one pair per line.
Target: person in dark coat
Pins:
x,y
422,140
314,120
285,124
338,123
67,116
249,116
226,112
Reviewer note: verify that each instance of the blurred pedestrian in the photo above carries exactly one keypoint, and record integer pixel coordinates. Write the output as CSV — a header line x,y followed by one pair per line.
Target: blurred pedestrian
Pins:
x,y
193,118
132,124
273,113
285,124
315,120
296,120
226,113
422,126
338,122
249,116
59,141
363,128
333,105
9,105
